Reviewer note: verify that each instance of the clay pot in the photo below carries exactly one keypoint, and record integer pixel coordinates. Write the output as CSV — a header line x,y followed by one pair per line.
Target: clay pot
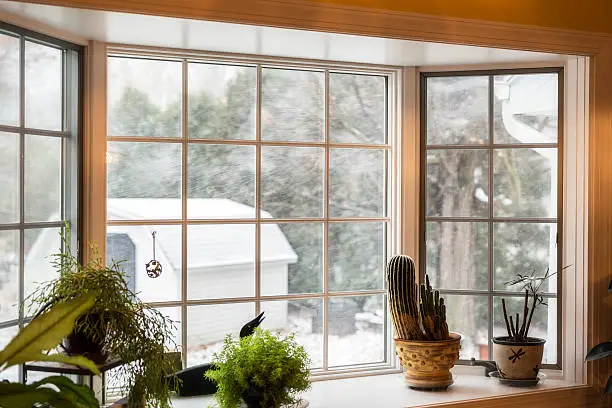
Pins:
x,y
428,363
518,361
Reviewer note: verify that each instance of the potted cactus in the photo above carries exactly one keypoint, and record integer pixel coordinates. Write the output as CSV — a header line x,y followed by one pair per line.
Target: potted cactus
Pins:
x,y
426,349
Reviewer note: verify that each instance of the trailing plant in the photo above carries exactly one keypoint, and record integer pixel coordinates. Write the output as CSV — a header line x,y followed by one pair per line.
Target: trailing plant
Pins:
x,y
33,343
264,364
414,319
518,328
602,350
119,322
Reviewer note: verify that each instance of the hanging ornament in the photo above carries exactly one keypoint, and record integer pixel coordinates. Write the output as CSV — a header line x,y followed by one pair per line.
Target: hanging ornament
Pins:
x,y
154,267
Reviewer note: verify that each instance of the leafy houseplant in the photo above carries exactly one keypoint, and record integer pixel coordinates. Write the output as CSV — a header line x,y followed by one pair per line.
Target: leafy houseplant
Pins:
x,y
264,370
424,345
33,343
517,355
602,350
117,326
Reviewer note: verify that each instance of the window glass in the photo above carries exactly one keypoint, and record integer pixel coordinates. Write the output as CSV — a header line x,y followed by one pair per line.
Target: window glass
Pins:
x,y
491,203
255,210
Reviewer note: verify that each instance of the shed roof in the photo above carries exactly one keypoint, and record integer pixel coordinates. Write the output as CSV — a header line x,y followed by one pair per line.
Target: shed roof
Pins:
x,y
209,245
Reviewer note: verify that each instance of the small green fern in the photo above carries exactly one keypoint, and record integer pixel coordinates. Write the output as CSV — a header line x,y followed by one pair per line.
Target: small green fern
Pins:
x,y
276,365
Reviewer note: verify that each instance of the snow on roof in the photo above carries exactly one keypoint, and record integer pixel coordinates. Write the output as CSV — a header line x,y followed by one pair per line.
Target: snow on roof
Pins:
x,y
209,245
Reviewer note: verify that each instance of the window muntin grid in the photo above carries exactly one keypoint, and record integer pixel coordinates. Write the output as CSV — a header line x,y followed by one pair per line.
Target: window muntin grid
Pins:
x,y
488,145
189,304
41,117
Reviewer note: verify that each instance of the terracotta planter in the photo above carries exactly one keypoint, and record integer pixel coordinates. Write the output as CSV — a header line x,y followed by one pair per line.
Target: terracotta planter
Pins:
x,y
518,361
428,363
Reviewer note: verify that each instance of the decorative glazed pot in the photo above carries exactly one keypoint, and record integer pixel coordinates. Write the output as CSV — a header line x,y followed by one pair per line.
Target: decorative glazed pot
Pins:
x,y
518,361
428,363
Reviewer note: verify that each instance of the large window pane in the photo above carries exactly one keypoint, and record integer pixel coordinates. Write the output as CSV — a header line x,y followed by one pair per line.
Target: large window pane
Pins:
x,y
526,108
356,256
457,183
356,330
43,87
6,335
144,97
291,258
524,248
292,105
9,275
526,183
304,318
132,246
357,183
220,261
221,181
357,108
543,324
222,101
9,80
458,255
174,314
292,181
39,246
208,325
469,316
9,176
457,110
144,180
43,178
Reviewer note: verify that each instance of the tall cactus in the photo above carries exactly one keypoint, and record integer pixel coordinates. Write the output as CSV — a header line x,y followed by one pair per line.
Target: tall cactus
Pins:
x,y
414,321
433,313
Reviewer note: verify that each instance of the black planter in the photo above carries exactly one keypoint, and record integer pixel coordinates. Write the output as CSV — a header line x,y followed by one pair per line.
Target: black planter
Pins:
x,y
79,343
253,397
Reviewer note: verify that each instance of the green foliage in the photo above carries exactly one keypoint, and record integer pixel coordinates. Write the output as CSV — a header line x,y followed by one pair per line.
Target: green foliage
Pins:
x,y
32,343
126,327
276,365
45,332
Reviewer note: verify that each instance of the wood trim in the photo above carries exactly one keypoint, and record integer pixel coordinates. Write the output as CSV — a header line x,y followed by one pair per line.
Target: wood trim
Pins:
x,y
571,397
304,14
94,148
600,209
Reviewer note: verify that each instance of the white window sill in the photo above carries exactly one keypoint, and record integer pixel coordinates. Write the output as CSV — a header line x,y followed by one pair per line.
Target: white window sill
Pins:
x,y
390,391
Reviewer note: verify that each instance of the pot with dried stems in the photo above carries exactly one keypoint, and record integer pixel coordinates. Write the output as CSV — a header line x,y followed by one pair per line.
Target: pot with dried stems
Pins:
x,y
426,349
517,355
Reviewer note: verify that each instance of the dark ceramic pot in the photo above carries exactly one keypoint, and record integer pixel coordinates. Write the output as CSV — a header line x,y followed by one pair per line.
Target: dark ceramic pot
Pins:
x,y
253,397
80,344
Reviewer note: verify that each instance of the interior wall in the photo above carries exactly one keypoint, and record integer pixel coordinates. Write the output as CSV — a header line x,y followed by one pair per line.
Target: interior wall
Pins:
x,y
558,14
587,15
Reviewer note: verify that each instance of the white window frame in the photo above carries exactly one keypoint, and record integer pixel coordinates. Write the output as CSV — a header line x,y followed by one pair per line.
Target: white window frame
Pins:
x,y
405,181
394,103
573,294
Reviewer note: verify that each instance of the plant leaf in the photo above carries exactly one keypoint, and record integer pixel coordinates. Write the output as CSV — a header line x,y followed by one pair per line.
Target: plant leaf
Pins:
x,y
78,361
25,396
600,351
608,389
80,395
45,331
